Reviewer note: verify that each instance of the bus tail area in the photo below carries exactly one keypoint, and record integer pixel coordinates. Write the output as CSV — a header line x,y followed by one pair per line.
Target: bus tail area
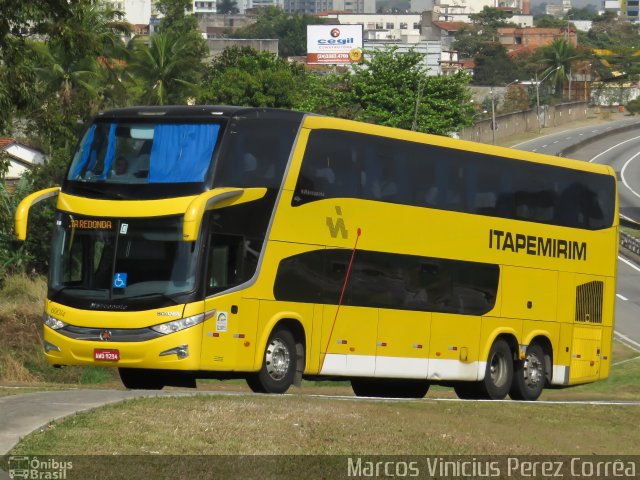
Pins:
x,y
229,242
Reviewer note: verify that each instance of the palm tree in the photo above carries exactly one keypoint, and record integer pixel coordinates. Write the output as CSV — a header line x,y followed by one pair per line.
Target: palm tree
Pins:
x,y
166,70
558,57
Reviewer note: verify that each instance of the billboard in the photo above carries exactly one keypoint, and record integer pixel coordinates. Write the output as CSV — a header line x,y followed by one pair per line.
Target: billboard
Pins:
x,y
334,44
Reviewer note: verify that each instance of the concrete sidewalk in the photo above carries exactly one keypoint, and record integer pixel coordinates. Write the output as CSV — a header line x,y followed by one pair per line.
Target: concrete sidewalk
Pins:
x,y
26,413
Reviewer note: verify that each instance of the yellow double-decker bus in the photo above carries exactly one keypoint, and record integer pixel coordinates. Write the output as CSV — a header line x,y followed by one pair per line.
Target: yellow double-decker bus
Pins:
x,y
271,245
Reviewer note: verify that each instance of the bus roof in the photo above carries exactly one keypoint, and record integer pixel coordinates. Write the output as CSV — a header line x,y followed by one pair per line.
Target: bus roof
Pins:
x,y
188,111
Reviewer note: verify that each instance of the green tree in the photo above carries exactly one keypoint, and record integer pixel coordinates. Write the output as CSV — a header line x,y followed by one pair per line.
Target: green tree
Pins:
x,y
165,70
585,13
290,30
558,57
393,89
178,22
493,66
328,94
549,21
490,19
227,7
18,22
243,76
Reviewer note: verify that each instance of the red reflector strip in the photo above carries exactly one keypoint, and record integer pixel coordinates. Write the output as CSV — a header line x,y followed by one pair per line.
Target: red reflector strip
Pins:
x,y
341,342
382,344
577,355
417,345
604,357
238,335
455,349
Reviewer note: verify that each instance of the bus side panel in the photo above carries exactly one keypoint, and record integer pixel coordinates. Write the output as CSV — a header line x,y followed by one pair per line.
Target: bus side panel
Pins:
x,y
454,344
402,349
492,327
529,293
532,329
585,354
229,340
273,312
349,340
605,352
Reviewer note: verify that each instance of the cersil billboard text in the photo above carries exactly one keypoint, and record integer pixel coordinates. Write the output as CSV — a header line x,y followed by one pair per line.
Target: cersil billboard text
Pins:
x,y
334,44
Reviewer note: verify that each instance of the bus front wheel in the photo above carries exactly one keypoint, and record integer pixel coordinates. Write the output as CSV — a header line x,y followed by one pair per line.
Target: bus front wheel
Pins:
x,y
529,375
141,379
278,364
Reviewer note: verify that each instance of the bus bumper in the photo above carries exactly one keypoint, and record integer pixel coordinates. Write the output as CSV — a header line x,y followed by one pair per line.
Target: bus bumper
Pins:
x,y
176,351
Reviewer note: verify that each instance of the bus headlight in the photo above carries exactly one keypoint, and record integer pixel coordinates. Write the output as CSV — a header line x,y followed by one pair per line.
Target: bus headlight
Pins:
x,y
177,325
53,322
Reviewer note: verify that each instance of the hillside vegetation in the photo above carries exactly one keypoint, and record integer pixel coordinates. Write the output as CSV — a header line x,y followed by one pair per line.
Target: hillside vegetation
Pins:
x,y
21,360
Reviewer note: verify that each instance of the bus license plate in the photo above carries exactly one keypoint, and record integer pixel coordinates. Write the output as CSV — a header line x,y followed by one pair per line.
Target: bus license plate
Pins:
x,y
106,355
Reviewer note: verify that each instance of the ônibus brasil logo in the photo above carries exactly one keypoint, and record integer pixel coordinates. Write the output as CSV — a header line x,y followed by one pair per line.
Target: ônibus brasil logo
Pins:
x,y
334,40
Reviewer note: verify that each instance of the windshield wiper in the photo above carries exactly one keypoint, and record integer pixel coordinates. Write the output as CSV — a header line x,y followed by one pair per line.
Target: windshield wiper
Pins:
x,y
57,293
147,295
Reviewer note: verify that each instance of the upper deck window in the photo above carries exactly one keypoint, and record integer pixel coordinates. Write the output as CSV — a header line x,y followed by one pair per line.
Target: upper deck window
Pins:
x,y
145,153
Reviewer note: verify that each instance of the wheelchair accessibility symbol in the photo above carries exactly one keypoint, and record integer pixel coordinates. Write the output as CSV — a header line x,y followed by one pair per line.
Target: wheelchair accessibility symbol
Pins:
x,y
120,280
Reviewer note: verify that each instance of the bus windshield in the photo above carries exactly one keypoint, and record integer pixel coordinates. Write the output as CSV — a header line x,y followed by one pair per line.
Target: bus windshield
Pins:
x,y
145,153
106,260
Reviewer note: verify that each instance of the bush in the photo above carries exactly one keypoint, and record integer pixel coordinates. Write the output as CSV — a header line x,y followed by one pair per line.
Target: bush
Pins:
x,y
633,106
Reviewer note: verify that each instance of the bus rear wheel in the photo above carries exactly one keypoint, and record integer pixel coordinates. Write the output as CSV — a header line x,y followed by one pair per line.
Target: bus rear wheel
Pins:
x,y
278,364
498,376
389,388
141,379
529,375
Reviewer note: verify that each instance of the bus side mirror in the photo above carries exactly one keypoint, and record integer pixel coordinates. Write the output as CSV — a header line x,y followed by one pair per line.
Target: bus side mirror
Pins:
x,y
214,199
22,212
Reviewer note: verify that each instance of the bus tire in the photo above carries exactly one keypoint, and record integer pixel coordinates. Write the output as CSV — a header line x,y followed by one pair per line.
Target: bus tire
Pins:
x,y
278,364
498,376
469,390
389,388
529,375
141,379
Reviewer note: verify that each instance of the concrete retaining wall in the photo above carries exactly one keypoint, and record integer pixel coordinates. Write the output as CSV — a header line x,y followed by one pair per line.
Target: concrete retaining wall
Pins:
x,y
523,121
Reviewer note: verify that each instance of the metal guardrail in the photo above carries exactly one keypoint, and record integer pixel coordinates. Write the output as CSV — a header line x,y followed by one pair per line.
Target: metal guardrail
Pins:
x,y
630,243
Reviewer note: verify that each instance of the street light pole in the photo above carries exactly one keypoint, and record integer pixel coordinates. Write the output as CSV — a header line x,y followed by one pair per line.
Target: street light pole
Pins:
x,y
538,95
493,116
493,110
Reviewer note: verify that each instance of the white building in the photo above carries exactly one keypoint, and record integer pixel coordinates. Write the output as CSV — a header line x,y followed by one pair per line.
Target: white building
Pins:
x,y
379,26
432,51
448,8
137,12
204,6
313,7
21,158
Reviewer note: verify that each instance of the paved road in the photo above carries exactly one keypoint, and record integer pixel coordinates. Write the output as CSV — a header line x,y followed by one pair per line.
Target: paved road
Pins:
x,y
619,147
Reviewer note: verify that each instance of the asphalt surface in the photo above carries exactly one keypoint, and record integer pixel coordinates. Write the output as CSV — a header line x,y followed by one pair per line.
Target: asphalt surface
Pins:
x,y
616,144
25,413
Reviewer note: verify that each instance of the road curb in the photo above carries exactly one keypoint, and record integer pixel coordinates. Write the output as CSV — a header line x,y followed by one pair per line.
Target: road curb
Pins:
x,y
598,136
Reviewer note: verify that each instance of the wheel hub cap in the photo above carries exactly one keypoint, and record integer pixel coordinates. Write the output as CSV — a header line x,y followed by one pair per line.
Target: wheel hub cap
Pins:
x,y
277,359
